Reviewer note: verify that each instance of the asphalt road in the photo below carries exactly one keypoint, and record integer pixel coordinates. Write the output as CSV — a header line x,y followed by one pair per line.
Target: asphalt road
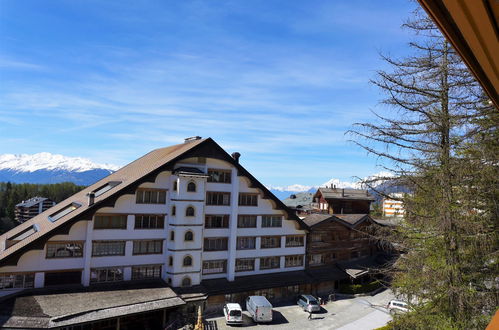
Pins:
x,y
362,313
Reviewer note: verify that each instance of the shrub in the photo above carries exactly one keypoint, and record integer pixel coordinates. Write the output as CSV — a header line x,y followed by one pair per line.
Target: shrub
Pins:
x,y
359,288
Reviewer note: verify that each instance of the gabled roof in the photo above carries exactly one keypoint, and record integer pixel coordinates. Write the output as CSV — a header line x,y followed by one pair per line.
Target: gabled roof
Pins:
x,y
345,193
349,220
144,169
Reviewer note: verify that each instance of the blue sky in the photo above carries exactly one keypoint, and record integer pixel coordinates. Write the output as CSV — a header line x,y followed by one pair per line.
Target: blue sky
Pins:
x,y
278,81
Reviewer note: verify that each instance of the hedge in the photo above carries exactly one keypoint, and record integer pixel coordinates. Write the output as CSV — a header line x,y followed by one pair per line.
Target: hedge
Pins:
x,y
359,288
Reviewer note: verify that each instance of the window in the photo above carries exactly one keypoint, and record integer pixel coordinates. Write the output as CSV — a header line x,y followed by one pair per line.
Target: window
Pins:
x,y
246,221
294,261
268,242
187,261
186,281
149,221
221,176
270,262
113,274
146,271
110,221
191,187
11,281
189,211
246,199
189,236
271,221
244,265
21,235
214,266
216,221
215,244
174,210
316,237
246,243
175,185
108,248
217,198
150,196
110,185
172,235
295,241
170,261
64,250
148,247
316,259
65,211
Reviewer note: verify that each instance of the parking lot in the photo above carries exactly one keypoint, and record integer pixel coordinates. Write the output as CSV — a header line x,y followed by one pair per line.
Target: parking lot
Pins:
x,y
346,314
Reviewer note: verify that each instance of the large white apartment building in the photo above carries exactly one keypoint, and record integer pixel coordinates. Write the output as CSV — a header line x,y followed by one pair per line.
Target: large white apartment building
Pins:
x,y
184,213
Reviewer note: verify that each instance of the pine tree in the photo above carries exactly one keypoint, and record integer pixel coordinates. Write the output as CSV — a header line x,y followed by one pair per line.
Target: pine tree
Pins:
x,y
433,140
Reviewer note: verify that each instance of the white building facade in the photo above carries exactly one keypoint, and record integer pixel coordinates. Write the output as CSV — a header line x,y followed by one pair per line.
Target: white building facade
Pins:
x,y
201,218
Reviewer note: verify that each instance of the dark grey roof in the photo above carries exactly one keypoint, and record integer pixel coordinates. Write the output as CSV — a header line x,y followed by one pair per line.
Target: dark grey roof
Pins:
x,y
392,222
352,219
340,193
303,199
313,219
32,201
54,308
359,267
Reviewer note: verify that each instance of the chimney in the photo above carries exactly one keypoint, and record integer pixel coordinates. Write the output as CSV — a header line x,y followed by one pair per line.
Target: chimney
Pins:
x,y
192,138
343,192
236,156
91,198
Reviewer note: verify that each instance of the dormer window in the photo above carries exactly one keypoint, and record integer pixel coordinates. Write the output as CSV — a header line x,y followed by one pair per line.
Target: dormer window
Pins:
x,y
191,187
65,211
22,235
108,186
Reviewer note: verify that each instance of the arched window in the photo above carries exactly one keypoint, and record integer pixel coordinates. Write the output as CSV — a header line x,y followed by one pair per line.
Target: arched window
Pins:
x,y
187,261
174,210
191,187
189,236
175,185
186,281
189,211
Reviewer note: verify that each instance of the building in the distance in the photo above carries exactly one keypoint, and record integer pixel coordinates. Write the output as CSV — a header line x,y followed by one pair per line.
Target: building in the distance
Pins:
x,y
334,200
31,207
393,206
188,214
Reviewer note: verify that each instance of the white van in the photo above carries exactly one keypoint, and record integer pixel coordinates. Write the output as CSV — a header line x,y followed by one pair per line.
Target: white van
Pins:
x,y
397,306
259,308
233,314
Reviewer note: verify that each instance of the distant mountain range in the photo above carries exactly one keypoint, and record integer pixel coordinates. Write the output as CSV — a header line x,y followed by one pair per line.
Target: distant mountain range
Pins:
x,y
45,167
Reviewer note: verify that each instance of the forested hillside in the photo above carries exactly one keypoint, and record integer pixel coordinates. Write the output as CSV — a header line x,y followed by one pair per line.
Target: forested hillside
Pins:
x,y
12,194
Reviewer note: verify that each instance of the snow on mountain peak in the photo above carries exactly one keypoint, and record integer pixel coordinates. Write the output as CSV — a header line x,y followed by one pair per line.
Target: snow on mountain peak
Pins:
x,y
48,161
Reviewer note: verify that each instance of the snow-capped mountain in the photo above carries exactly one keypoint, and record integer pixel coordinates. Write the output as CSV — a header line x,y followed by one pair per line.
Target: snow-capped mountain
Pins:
x,y
284,192
45,167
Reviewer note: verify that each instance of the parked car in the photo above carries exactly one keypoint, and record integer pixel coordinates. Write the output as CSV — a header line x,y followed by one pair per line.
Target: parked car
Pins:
x,y
397,306
308,303
259,308
233,314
